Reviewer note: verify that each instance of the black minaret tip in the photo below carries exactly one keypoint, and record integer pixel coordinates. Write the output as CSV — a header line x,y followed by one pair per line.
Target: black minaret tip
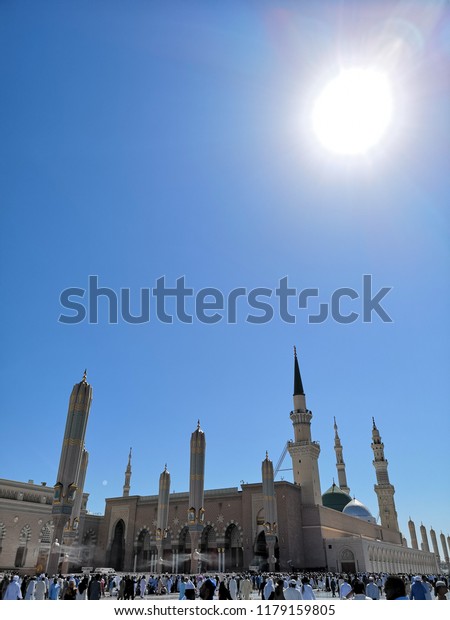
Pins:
x,y
298,385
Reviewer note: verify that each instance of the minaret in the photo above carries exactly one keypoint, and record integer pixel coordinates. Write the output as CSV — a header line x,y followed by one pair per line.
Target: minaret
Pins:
x,y
163,514
384,489
423,534
412,534
304,452
70,463
340,465
270,509
126,486
444,548
196,511
435,545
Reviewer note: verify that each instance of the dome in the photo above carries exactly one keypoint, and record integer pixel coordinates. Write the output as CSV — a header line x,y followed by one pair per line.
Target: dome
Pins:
x,y
356,509
335,498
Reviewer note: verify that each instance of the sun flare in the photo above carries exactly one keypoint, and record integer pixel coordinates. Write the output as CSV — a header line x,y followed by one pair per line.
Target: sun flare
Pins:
x,y
353,111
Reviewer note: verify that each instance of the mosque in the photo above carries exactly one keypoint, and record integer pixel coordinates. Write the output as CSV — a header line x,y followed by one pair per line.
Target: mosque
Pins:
x,y
265,525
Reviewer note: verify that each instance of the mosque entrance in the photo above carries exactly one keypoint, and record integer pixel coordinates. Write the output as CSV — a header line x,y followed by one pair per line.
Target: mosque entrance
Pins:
x,y
208,549
234,557
347,561
116,555
143,551
184,550
261,556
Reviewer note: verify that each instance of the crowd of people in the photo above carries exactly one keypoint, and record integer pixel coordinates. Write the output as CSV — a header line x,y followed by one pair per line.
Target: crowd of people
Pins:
x,y
246,586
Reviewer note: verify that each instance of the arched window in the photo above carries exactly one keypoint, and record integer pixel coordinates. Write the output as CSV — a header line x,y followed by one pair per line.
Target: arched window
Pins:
x,y
21,553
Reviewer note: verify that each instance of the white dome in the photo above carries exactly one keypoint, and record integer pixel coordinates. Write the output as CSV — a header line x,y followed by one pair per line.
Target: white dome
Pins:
x,y
356,509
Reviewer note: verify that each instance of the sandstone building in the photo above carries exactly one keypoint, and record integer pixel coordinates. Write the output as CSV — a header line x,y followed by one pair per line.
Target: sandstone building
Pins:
x,y
264,525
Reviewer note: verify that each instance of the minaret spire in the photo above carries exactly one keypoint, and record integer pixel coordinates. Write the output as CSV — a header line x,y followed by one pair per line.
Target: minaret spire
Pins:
x,y
340,465
298,384
303,450
384,489
126,486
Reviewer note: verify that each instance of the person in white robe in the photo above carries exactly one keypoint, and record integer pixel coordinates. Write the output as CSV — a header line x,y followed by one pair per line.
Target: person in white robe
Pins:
x,y
29,595
13,592
293,592
233,588
40,590
245,588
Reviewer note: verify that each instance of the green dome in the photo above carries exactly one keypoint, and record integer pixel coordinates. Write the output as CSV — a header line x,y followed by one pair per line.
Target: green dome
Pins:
x,y
335,498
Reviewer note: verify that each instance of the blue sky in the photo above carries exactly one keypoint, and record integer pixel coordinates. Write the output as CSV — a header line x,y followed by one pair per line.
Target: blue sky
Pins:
x,y
140,140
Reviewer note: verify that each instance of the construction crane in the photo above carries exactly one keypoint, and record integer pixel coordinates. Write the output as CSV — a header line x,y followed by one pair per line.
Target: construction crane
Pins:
x,y
280,461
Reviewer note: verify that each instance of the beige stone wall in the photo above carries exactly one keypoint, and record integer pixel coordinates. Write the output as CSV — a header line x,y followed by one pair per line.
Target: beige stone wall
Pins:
x,y
25,509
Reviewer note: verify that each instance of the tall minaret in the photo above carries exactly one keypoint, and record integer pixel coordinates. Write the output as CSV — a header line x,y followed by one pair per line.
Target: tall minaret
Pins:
x,y
70,464
163,514
384,489
270,509
423,534
412,534
196,511
340,465
126,486
444,548
304,452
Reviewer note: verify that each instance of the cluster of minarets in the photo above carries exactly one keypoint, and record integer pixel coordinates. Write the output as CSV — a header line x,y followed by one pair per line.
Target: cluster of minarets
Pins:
x,y
67,503
305,453
424,545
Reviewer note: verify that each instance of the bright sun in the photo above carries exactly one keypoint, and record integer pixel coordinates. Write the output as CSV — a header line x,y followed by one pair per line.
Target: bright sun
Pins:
x,y
353,111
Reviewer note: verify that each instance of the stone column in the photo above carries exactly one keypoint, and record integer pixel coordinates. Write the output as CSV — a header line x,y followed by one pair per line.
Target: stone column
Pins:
x,y
196,511
412,533
444,547
423,534
69,474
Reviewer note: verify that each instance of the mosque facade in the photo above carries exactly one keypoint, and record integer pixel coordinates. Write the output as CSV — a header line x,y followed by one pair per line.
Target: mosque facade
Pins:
x,y
267,525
